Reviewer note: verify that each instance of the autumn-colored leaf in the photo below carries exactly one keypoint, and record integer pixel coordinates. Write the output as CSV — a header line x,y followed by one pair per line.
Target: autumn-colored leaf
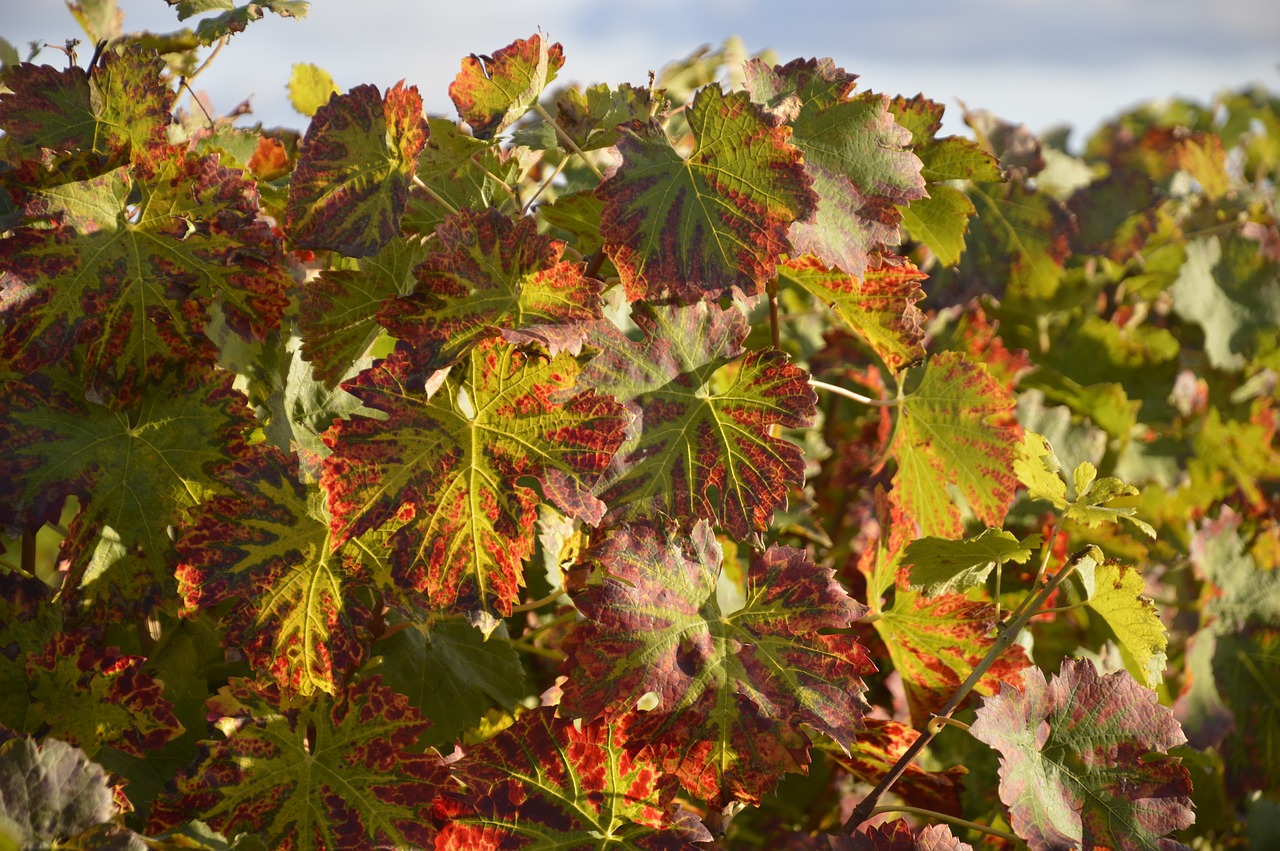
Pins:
x,y
305,775
133,284
731,688
351,184
442,470
487,275
461,172
591,117
493,92
896,836
880,306
702,443
1082,762
879,746
712,224
857,155
549,782
954,429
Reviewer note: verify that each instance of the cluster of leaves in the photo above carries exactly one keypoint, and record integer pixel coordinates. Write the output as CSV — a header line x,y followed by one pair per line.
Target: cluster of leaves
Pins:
x,y
698,464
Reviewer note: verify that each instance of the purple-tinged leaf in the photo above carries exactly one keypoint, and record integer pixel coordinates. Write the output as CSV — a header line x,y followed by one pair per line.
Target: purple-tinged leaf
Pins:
x,y
896,836
48,792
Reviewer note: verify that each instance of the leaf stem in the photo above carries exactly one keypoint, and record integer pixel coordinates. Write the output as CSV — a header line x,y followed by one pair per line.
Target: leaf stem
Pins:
x,y
774,330
540,602
956,820
417,181
937,722
857,397
543,186
564,137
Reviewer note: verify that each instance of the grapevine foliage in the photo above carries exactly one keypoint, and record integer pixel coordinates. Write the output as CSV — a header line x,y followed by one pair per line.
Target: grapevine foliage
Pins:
x,y
686,465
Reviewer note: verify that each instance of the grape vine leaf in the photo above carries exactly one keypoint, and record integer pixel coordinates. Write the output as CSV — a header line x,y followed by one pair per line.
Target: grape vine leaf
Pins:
x,y
591,118
310,88
1114,593
1081,762
702,425
548,782
234,18
339,307
956,428
443,467
713,224
936,643
896,836
134,287
487,275
451,674
48,791
880,305
494,92
857,155
293,612
304,774
461,173
732,688
134,466
944,566
879,746
27,623
351,183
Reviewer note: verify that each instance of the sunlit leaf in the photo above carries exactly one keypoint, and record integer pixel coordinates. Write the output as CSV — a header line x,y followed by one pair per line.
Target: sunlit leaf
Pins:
x,y
1116,594
944,566
879,747
493,92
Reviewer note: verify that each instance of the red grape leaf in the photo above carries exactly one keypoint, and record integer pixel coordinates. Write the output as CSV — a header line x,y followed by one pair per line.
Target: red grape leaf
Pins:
x,y
134,466
294,615
491,275
494,92
956,428
329,772
880,306
879,746
135,286
1081,762
441,470
935,644
551,782
896,836
351,184
703,425
856,154
710,225
339,307
731,688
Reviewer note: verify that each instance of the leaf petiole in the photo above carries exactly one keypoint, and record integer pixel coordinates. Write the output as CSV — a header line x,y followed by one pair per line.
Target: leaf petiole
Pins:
x,y
564,137
857,397
956,820
417,181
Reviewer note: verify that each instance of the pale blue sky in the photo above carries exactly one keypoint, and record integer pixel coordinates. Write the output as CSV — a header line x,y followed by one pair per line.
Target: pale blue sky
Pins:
x,y
1039,62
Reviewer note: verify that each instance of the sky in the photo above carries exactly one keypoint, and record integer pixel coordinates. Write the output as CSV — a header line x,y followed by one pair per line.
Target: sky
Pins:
x,y
1042,63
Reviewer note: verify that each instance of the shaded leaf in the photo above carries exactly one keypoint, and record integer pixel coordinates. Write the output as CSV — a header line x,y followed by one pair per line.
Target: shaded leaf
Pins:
x,y
548,782
591,117
441,471
732,688
702,443
856,154
712,224
463,173
49,791
896,836
955,429
1228,288
877,750
1082,761
944,566
487,275
494,92
351,184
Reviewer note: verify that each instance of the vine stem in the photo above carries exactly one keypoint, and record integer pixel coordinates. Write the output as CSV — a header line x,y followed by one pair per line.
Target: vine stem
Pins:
x,y
1004,639
540,602
774,330
956,820
857,397
417,181
564,137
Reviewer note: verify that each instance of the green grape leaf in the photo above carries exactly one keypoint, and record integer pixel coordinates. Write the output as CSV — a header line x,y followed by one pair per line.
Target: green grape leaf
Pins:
x,y
712,224
451,674
701,444
1038,468
48,792
339,307
579,216
234,18
494,92
1081,762
487,275
1246,669
936,643
293,612
27,623
310,88
461,172
955,429
857,155
310,774
1115,593
134,465
351,184
731,688
135,287
1230,454
548,782
944,566
1240,592
115,112
443,468
880,306
1092,495
940,222
879,747
96,697
591,118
